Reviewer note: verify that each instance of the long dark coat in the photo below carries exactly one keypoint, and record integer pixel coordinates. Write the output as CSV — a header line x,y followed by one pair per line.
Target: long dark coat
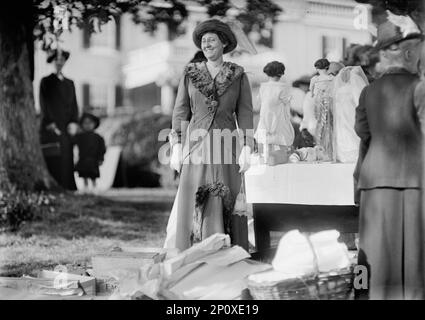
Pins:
x,y
59,105
389,175
208,189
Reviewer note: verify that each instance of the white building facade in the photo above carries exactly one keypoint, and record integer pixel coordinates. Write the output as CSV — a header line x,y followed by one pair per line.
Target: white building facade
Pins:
x,y
124,67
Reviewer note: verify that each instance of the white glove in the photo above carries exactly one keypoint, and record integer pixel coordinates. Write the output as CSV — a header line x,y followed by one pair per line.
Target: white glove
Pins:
x,y
244,159
176,157
52,127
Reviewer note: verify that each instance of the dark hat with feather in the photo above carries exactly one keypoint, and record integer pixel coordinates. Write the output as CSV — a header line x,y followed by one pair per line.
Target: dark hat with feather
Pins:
x,y
396,29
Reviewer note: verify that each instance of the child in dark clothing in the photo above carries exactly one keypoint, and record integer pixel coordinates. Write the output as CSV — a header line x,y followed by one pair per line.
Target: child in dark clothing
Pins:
x,y
91,150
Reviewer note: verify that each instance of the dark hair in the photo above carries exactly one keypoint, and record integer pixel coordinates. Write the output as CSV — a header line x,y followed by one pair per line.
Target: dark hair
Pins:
x,y
198,57
322,64
223,38
305,140
274,69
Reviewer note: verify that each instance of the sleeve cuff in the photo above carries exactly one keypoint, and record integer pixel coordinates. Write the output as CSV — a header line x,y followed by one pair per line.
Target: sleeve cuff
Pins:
x,y
174,138
248,138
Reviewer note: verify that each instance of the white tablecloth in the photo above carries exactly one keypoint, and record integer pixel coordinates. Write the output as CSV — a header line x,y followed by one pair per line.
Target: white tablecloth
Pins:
x,y
301,183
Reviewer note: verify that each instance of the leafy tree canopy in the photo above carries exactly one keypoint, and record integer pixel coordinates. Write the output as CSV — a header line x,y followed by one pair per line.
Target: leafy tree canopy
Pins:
x,y
52,17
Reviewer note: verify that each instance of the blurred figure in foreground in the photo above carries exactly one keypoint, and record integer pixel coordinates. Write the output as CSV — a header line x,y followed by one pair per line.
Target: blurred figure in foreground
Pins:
x,y
389,170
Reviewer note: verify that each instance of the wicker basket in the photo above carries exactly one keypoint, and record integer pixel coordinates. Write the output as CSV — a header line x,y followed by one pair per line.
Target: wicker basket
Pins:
x,y
332,285
335,285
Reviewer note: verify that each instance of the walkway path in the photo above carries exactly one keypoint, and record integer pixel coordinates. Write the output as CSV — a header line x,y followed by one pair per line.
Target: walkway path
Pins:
x,y
140,195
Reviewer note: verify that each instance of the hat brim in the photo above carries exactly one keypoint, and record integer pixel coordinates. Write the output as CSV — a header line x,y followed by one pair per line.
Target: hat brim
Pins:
x,y
215,26
381,45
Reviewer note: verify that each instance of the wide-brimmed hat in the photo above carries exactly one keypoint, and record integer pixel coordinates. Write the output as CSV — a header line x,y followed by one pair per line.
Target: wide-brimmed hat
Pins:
x,y
214,25
53,54
395,30
92,117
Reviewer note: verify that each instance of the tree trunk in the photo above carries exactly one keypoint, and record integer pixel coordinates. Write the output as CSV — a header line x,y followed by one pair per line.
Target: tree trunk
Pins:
x,y
21,161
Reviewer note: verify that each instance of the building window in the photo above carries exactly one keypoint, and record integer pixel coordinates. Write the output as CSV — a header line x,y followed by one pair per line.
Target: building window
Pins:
x,y
95,98
99,96
119,96
344,47
333,48
118,33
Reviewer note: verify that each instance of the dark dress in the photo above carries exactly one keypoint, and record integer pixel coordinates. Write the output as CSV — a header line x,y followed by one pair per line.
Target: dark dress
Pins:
x,y
59,105
392,223
91,150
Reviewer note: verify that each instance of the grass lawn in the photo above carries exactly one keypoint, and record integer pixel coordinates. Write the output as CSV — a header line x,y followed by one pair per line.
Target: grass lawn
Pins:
x,y
79,227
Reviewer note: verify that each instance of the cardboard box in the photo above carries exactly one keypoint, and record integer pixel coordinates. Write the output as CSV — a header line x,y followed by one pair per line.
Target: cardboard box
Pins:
x,y
107,265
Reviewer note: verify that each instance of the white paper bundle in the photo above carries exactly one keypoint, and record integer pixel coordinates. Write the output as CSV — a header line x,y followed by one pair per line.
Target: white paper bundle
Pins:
x,y
295,255
210,245
330,253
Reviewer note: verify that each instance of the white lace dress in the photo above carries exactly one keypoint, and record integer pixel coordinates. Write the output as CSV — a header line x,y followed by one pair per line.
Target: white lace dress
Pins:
x,y
348,85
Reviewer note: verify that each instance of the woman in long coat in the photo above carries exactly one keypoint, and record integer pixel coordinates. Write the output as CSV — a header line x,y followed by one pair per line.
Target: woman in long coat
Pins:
x,y
59,118
212,94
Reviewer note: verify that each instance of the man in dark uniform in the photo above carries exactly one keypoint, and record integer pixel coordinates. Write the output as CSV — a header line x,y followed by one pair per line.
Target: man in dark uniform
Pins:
x,y
388,121
59,120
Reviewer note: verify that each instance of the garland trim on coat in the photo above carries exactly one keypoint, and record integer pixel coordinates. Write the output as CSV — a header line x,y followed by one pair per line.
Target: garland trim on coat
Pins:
x,y
217,189
212,88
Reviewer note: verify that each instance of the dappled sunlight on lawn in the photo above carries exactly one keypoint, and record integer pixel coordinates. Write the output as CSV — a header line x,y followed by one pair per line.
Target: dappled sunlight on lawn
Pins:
x,y
79,228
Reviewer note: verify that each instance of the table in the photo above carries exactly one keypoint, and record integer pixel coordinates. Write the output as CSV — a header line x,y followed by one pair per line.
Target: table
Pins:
x,y
307,196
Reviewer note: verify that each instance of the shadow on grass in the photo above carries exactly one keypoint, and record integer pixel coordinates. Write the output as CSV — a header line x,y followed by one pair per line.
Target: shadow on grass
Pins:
x,y
78,217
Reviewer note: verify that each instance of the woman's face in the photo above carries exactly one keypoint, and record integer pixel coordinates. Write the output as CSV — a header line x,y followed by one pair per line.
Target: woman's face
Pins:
x,y
59,62
88,124
211,46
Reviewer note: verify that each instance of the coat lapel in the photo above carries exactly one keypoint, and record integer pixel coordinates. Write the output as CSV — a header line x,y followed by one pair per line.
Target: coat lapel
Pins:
x,y
209,87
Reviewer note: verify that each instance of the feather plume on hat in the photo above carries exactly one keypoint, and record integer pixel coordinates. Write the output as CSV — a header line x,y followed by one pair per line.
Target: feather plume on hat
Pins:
x,y
405,23
395,29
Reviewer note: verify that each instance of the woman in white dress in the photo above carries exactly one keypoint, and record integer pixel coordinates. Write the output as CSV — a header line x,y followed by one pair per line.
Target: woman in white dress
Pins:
x,y
348,85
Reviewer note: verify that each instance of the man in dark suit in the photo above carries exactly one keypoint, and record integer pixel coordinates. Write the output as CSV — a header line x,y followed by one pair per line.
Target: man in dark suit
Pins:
x,y
59,118
388,121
